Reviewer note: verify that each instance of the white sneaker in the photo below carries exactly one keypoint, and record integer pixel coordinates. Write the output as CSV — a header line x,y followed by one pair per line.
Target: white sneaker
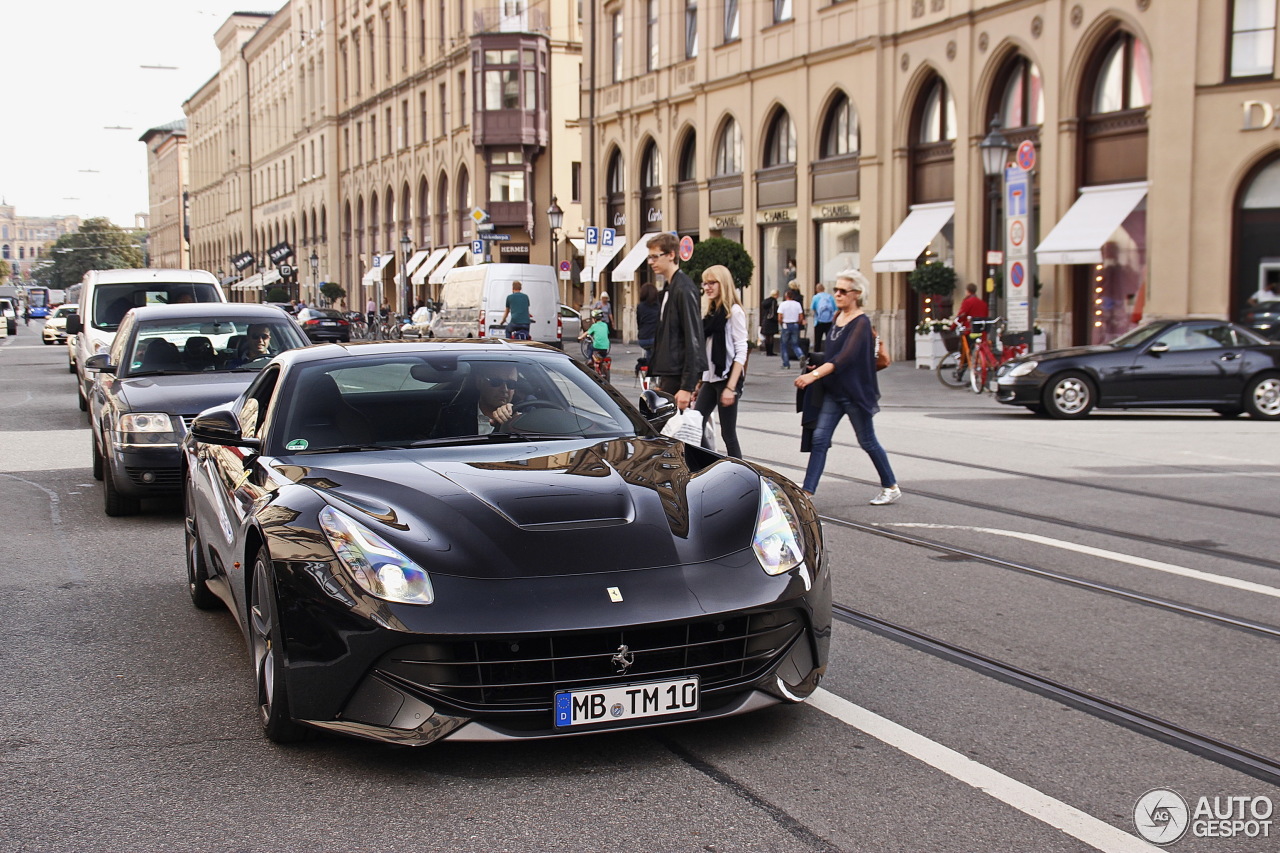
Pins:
x,y
886,496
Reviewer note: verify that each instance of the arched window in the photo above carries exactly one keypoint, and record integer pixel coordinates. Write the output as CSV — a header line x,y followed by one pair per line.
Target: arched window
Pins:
x,y
780,143
406,224
1257,233
938,114
373,223
615,190
424,214
389,217
650,168
1123,80
1022,95
840,133
462,208
729,149
442,211
687,168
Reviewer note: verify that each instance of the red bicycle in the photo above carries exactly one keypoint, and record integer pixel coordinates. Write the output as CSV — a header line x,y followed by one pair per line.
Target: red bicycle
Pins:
x,y
984,360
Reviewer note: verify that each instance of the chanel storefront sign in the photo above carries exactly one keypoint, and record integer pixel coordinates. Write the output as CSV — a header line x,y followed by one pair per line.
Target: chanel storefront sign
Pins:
x,y
766,217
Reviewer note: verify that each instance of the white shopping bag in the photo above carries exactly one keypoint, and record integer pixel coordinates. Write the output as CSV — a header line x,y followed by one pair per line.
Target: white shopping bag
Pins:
x,y
685,426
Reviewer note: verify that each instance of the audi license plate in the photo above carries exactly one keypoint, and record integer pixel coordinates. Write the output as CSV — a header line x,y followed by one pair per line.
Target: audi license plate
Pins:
x,y
576,708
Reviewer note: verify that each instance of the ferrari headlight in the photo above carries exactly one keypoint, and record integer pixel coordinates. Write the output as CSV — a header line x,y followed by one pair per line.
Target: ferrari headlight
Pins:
x,y
777,538
145,422
1023,368
379,569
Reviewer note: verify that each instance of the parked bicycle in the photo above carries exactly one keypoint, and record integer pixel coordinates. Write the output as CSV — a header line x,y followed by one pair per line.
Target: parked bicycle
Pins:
x,y
973,359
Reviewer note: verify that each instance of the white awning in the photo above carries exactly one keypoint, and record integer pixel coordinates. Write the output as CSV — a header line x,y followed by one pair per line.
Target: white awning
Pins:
x,y
579,245
424,269
269,278
415,259
1080,233
914,234
450,261
374,274
634,259
253,282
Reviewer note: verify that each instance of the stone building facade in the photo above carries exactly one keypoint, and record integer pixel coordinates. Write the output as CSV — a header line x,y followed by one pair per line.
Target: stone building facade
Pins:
x,y
24,240
847,133
167,241
354,131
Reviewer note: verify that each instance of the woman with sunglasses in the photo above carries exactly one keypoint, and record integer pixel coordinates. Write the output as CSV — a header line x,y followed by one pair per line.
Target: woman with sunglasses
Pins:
x,y
724,327
848,379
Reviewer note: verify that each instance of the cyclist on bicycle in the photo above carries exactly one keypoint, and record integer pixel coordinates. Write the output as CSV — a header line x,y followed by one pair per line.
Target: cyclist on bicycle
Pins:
x,y
598,331
517,308
974,307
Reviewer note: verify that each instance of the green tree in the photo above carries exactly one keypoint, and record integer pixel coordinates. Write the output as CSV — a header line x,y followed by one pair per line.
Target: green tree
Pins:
x,y
98,245
5,269
332,291
277,294
718,250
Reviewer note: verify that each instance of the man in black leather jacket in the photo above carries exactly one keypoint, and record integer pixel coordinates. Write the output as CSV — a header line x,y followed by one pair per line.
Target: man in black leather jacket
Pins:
x,y
679,347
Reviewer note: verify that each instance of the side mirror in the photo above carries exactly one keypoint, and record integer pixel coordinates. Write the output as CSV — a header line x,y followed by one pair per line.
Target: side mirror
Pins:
x,y
1157,349
656,407
100,363
74,326
220,426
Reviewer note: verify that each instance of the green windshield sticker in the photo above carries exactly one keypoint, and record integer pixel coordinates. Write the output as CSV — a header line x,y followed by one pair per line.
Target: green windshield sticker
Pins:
x,y
296,444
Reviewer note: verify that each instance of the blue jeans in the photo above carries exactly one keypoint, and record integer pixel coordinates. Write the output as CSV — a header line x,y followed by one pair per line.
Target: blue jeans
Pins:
x,y
834,405
791,344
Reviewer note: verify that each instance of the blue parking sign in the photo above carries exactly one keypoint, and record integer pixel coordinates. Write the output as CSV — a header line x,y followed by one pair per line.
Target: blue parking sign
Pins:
x,y
477,247
593,235
608,237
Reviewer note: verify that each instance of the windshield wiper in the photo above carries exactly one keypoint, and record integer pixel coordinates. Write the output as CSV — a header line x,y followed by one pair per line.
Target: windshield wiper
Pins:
x,y
463,440
136,373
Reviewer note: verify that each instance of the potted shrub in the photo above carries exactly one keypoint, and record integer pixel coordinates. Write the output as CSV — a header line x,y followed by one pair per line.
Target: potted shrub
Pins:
x,y
930,348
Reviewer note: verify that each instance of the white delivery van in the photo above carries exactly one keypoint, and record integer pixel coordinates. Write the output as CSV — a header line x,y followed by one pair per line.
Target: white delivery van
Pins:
x,y
473,299
107,295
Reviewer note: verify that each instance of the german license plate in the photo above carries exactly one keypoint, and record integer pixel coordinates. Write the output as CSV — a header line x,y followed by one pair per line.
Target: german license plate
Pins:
x,y
576,708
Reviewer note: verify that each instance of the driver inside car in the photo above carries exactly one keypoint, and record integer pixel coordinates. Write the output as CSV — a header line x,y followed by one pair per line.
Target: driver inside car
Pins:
x,y
483,405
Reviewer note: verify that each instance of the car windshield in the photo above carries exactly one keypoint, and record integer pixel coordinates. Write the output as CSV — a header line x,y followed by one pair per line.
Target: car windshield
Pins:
x,y
112,301
441,399
65,311
317,313
197,346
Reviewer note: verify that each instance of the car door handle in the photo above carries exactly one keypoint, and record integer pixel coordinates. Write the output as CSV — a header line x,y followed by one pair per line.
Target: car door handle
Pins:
x,y
1229,356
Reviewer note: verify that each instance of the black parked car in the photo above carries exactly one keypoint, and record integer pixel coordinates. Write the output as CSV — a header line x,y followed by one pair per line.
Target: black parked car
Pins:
x,y
323,325
1263,318
405,570
167,364
1171,363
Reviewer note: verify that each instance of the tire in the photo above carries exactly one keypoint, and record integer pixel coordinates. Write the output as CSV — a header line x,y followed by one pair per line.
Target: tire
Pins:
x,y
949,372
115,504
1069,395
97,458
268,657
197,570
71,367
1037,410
48,342
1262,397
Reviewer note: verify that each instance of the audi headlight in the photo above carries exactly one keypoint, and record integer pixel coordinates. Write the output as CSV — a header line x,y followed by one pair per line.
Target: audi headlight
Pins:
x,y
1023,368
379,569
151,422
778,536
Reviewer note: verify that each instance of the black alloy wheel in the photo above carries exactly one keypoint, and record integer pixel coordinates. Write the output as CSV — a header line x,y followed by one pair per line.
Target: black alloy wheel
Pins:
x,y
1069,395
197,570
268,657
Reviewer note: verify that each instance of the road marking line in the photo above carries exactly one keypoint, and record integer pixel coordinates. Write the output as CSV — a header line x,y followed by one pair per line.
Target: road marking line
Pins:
x,y
1078,824
1141,562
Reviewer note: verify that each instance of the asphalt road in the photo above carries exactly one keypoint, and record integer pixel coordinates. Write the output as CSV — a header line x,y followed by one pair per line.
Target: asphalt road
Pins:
x,y
127,718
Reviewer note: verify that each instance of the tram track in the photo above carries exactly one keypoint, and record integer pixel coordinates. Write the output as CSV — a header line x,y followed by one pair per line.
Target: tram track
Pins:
x,y
1206,746
968,501
1061,481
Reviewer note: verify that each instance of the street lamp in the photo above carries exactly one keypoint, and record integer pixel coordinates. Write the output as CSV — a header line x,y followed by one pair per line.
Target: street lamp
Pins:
x,y
406,246
995,150
556,217
314,260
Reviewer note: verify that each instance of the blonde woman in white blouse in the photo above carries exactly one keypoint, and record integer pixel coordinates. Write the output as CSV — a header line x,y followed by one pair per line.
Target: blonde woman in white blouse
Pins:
x,y
724,324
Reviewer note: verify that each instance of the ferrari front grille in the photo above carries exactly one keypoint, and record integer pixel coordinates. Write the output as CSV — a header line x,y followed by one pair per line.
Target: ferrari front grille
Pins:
x,y
521,673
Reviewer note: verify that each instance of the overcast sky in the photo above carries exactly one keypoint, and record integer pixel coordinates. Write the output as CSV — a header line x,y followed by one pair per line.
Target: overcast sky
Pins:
x,y
74,68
